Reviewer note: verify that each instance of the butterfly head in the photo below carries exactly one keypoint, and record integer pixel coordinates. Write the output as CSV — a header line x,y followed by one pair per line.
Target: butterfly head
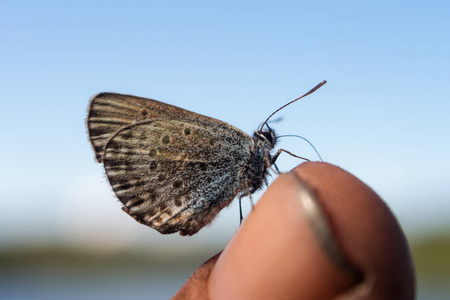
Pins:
x,y
266,137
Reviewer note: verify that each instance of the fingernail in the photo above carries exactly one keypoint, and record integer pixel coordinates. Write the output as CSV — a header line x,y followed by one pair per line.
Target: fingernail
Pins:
x,y
322,229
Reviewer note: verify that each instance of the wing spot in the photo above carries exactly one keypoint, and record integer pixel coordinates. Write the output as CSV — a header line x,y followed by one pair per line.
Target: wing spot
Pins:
x,y
127,135
144,113
142,135
212,142
166,140
162,206
152,194
187,131
161,177
177,183
203,166
113,145
153,165
152,152
178,200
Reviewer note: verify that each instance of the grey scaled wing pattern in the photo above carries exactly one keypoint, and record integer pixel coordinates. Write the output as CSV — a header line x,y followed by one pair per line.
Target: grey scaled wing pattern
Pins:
x,y
172,169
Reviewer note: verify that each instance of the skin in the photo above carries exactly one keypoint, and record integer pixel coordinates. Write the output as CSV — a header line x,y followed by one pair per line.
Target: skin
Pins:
x,y
279,252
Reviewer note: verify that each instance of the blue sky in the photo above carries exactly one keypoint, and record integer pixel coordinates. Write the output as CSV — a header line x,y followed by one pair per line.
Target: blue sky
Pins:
x,y
383,115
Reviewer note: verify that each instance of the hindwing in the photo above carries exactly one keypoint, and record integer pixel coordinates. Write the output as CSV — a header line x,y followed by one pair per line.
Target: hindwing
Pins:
x,y
176,175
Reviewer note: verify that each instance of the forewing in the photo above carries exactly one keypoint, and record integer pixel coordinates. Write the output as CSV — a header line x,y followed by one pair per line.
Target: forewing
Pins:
x,y
177,175
109,112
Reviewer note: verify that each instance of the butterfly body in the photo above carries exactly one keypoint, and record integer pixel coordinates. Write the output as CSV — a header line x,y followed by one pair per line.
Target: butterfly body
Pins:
x,y
172,169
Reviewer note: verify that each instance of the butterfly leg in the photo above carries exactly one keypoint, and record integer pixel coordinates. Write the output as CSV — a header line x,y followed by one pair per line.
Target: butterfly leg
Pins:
x,y
251,201
274,158
276,167
249,194
241,217
269,162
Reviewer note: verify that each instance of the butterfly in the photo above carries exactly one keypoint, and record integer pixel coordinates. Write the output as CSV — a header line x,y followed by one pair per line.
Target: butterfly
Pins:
x,y
172,169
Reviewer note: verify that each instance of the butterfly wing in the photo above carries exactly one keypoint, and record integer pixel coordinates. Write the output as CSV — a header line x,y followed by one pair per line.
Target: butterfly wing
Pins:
x,y
176,175
108,112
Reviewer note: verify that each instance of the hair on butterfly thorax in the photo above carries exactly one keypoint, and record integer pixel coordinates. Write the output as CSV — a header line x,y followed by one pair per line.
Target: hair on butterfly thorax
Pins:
x,y
172,169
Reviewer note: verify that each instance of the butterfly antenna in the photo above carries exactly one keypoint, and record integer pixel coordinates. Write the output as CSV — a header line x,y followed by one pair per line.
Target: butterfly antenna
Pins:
x,y
305,139
308,93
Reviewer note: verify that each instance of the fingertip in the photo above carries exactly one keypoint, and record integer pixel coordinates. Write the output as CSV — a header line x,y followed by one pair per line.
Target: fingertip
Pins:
x,y
276,253
279,250
366,231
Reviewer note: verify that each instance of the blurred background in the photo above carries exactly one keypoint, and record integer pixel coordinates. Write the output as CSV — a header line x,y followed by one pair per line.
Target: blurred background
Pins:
x,y
383,115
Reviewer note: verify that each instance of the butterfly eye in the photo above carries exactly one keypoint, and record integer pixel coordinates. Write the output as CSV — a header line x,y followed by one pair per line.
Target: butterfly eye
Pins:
x,y
268,135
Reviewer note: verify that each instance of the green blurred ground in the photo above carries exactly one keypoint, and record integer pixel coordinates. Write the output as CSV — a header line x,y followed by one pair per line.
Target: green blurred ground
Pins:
x,y
431,256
